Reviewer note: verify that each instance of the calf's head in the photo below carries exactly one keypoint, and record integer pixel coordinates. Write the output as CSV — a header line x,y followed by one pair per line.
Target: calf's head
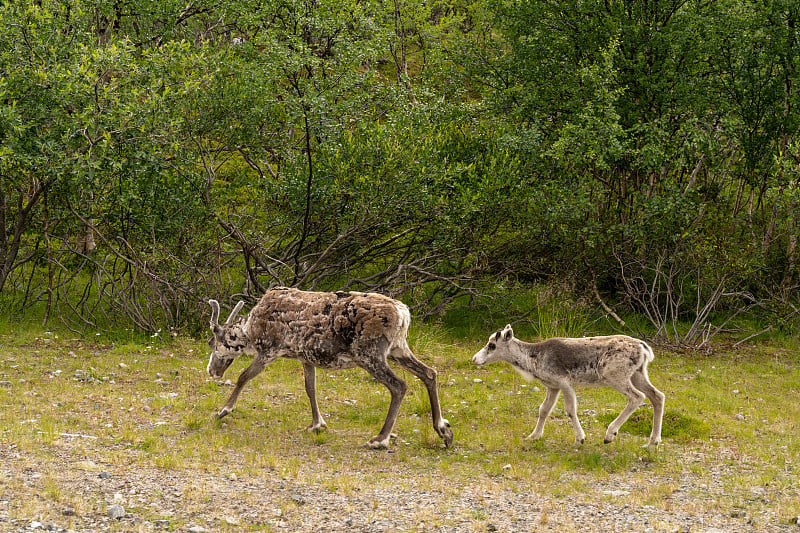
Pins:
x,y
497,345
228,341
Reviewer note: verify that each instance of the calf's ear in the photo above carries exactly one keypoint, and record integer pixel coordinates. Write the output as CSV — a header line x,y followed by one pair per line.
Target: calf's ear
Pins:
x,y
508,333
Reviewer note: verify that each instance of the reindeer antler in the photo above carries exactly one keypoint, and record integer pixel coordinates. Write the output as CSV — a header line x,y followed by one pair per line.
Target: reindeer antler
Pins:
x,y
214,312
235,312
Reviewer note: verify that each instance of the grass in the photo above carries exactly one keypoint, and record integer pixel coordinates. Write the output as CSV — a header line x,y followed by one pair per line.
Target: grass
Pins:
x,y
730,424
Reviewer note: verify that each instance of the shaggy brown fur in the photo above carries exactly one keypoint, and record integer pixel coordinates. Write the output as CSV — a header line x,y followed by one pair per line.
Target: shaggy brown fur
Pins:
x,y
330,330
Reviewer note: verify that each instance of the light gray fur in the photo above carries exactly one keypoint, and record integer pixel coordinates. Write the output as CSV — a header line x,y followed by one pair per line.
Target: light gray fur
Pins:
x,y
617,361
332,330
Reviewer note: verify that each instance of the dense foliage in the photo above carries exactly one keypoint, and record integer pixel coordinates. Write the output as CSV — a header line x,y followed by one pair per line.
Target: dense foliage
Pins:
x,y
155,154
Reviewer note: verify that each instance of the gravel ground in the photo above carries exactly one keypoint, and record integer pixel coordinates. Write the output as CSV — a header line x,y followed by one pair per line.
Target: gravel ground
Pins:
x,y
112,498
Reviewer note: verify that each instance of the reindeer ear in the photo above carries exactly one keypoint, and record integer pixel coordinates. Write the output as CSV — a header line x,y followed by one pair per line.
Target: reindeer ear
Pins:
x,y
508,333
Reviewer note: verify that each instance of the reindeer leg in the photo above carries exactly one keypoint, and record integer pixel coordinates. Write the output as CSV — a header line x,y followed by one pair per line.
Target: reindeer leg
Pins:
x,y
310,377
656,397
247,374
571,407
375,364
403,356
544,411
635,399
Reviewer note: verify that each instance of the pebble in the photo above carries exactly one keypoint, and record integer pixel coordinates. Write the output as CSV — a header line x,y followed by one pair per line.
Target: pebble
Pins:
x,y
116,511
5,384
197,529
104,475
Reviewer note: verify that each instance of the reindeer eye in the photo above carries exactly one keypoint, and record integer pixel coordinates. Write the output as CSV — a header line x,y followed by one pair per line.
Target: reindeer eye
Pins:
x,y
491,346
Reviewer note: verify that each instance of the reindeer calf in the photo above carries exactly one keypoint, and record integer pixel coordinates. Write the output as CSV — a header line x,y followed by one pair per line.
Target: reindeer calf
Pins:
x,y
324,330
560,364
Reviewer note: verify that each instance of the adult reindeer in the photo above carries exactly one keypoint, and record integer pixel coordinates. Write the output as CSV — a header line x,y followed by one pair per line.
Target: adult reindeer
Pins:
x,y
330,330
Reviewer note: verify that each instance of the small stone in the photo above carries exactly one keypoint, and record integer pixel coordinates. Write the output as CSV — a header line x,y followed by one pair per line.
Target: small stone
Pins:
x,y
104,475
6,384
507,467
491,527
116,511
299,500
232,521
477,380
123,365
197,529
233,477
68,511
36,525
88,464
616,493
740,416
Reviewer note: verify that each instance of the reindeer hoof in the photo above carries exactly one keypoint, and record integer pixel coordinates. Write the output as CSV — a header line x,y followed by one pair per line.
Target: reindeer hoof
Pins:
x,y
447,436
319,428
377,443
223,413
445,433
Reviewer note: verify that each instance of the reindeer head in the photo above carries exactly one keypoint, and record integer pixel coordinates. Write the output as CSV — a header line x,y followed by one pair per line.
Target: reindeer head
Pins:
x,y
228,341
497,345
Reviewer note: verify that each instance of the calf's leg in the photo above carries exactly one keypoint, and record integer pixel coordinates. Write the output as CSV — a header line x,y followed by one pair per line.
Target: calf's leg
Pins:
x,y
656,397
544,411
635,399
571,407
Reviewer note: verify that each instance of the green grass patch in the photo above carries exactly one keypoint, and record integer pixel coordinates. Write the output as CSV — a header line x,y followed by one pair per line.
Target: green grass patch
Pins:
x,y
676,425
133,406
